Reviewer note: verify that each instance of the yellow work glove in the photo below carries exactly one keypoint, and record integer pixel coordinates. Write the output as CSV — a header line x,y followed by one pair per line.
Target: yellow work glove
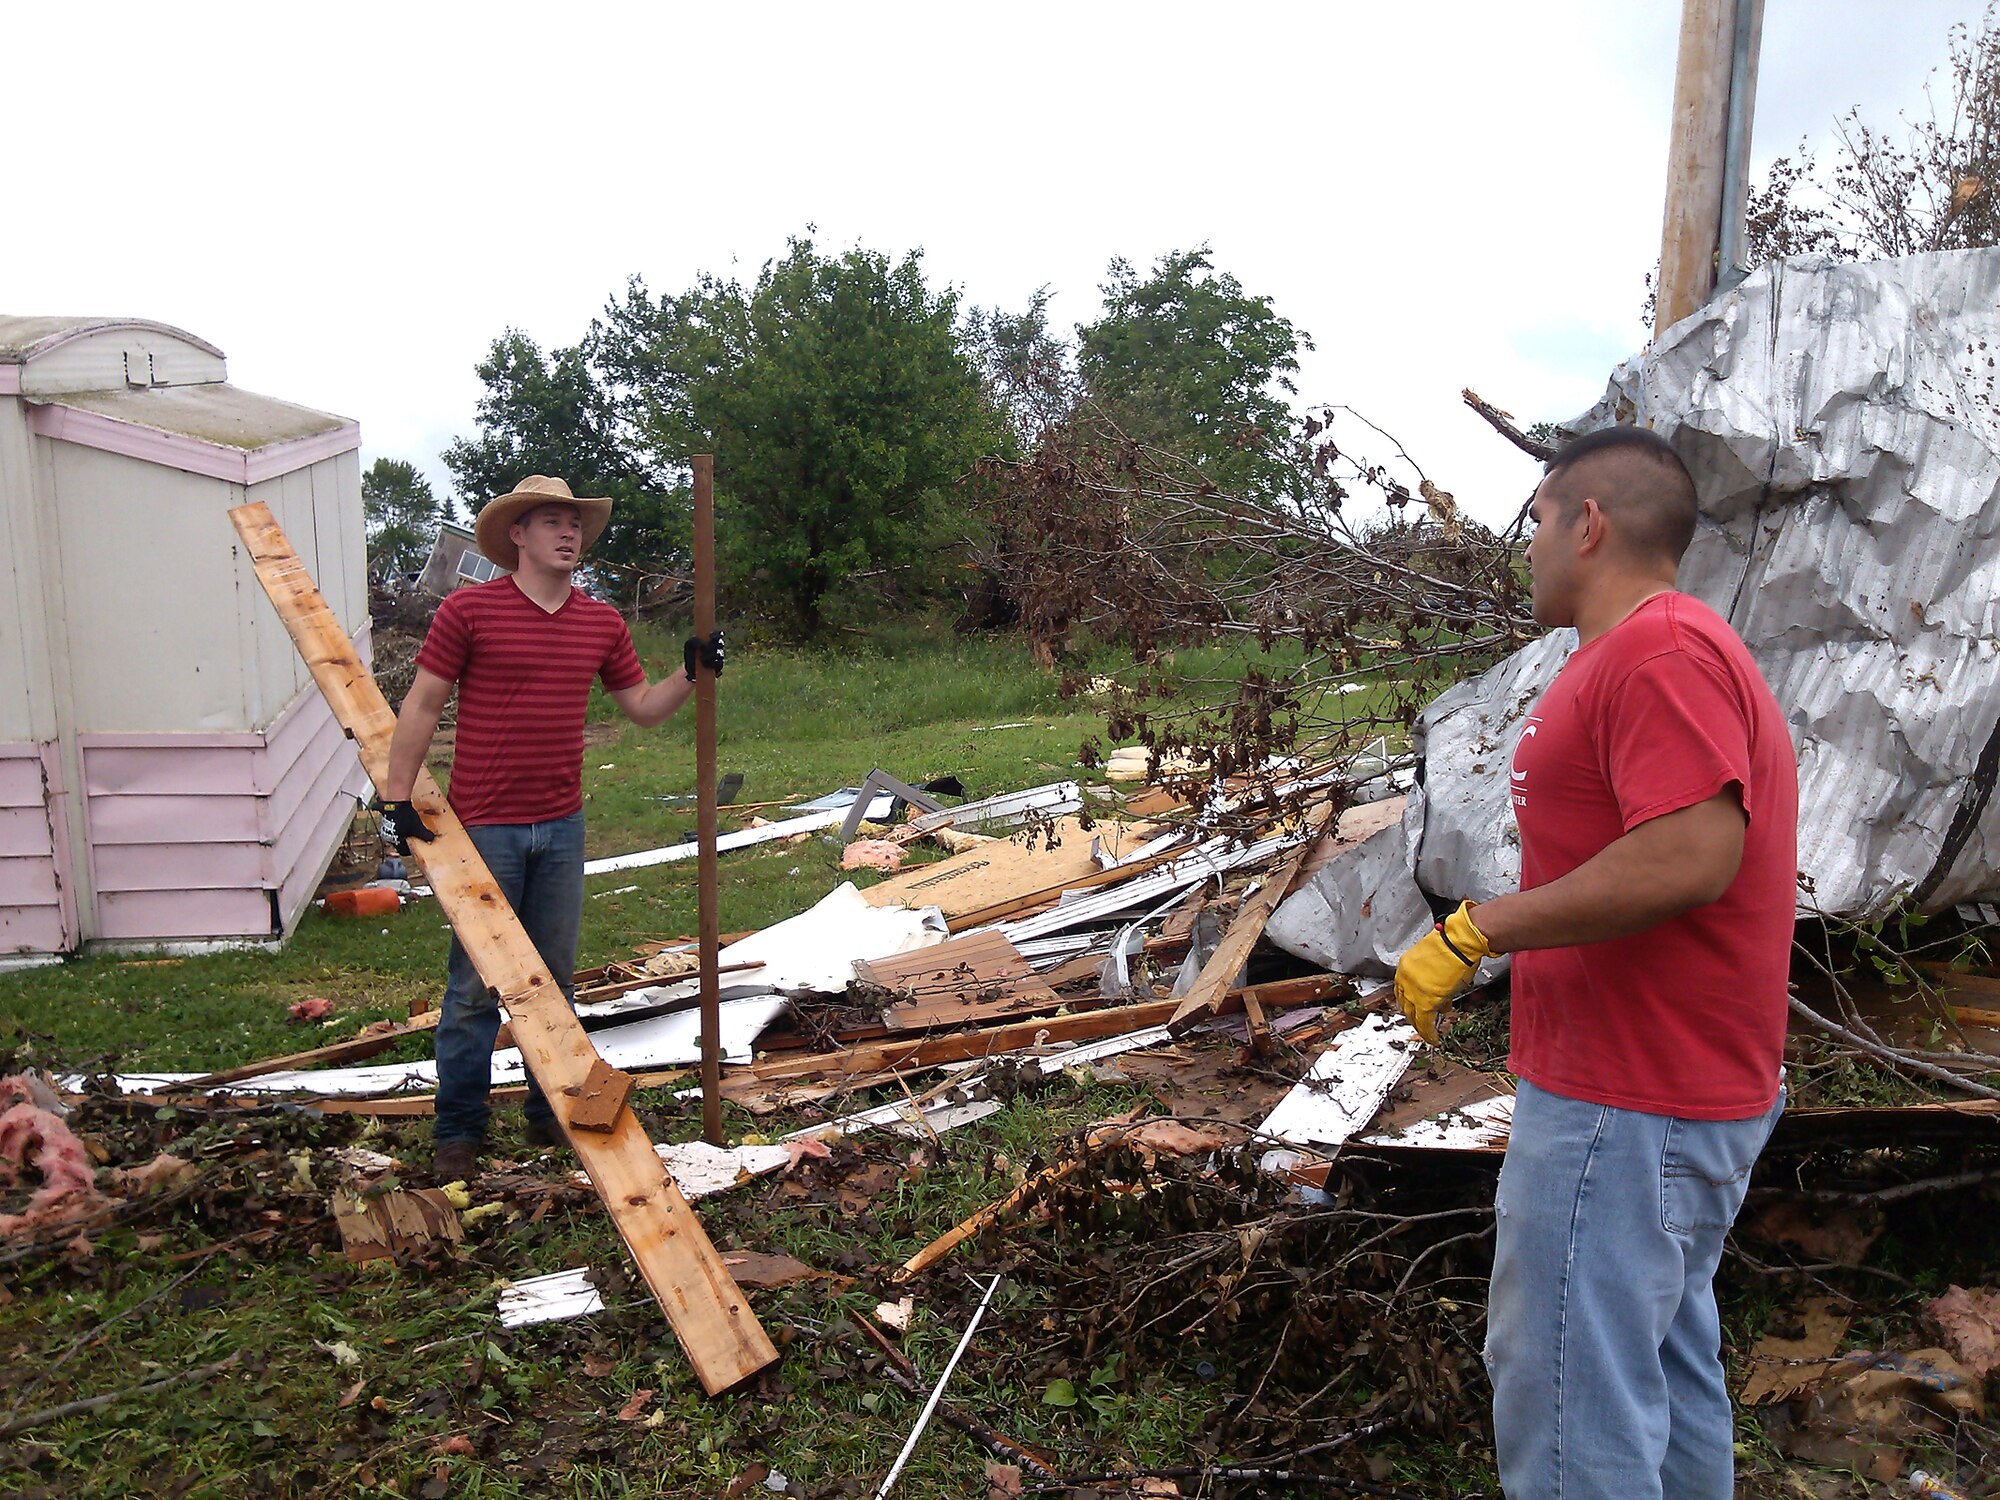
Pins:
x,y
1437,968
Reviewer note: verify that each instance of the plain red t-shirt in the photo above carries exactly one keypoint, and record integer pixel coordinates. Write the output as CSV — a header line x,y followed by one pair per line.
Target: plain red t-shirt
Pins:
x,y
523,678
1663,711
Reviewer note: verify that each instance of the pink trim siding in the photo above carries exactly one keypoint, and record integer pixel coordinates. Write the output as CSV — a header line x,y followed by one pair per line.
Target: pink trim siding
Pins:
x,y
37,908
20,776
142,916
28,880
175,450
10,380
32,929
187,829
24,830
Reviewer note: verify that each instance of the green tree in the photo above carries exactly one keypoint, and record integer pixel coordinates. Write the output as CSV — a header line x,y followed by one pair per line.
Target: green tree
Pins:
x,y
1186,360
401,516
549,414
838,400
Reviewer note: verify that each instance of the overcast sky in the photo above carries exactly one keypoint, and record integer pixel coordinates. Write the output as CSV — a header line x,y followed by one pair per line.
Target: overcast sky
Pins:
x,y
353,200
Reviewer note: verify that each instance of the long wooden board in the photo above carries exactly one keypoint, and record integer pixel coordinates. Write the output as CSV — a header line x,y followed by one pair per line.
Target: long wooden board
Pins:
x,y
709,1313
1233,952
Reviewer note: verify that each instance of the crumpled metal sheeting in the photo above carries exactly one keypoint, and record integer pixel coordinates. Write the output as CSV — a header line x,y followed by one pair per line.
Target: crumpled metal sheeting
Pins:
x,y
1361,910
1840,423
1467,845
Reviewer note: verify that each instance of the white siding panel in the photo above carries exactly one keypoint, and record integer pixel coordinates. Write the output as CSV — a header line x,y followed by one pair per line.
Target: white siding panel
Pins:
x,y
147,583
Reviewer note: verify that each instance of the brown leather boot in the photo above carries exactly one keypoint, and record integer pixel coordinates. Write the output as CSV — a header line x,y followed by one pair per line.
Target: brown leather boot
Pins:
x,y
455,1161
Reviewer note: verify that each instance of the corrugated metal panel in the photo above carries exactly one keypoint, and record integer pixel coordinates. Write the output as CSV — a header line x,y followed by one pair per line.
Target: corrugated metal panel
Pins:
x,y
1842,423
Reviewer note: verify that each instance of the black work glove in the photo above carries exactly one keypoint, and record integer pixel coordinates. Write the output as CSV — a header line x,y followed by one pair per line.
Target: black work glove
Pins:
x,y
401,822
709,653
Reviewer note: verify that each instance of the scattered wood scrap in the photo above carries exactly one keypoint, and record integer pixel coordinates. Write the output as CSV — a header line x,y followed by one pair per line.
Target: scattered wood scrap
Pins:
x,y
961,981
375,1226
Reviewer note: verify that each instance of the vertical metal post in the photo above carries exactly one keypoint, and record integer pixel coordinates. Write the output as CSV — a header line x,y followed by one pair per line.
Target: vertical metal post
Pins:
x,y
710,918
1731,259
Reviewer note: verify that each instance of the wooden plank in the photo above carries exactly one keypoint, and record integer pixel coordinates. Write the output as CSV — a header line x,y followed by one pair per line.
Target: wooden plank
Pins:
x,y
1234,950
354,1049
992,1041
1002,869
709,1313
1698,134
1049,896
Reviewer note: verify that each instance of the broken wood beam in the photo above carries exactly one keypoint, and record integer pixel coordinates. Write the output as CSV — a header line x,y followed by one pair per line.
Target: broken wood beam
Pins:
x,y
1223,965
708,1312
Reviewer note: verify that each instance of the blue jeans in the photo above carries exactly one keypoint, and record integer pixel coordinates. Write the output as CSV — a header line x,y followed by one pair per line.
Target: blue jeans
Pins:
x,y
1602,1336
539,868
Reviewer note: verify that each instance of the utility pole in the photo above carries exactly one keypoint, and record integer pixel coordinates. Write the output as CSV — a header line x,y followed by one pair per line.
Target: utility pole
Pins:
x,y
1708,158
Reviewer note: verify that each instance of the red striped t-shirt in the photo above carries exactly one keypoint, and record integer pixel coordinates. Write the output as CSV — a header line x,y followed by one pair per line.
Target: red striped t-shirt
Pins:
x,y
523,678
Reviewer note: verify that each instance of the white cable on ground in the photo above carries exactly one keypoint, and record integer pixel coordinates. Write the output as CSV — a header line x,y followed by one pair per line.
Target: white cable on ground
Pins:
x,y
937,1394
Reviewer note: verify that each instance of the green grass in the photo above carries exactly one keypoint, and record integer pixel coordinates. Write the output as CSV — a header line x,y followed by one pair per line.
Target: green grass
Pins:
x,y
794,724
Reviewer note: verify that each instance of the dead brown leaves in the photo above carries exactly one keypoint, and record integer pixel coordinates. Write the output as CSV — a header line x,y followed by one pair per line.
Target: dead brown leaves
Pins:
x,y
1970,1321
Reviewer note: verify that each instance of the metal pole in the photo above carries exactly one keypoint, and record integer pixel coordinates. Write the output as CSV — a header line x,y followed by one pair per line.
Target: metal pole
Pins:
x,y
1731,256
710,930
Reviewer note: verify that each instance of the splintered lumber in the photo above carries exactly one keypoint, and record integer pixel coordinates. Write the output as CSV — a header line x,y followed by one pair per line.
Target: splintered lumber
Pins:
x,y
709,1313
1234,950
996,1041
375,1226
1050,895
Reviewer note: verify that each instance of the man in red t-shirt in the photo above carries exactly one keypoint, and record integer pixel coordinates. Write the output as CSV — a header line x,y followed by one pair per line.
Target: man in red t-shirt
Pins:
x,y
522,652
1656,790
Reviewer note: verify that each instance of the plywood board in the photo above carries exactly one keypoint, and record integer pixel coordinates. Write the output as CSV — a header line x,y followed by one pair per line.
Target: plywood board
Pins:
x,y
1005,868
709,1313
978,977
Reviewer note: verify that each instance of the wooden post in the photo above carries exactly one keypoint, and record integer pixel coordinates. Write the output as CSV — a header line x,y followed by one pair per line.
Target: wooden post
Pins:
x,y
703,1303
710,917
1697,146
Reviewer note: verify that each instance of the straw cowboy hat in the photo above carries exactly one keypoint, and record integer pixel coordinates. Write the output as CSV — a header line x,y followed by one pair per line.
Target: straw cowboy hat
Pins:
x,y
490,530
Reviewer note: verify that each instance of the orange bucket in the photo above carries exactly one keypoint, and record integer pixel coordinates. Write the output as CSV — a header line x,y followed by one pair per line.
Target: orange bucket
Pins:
x,y
369,901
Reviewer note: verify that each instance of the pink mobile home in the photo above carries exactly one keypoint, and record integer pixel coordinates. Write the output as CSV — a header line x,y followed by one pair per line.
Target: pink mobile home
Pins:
x,y
168,773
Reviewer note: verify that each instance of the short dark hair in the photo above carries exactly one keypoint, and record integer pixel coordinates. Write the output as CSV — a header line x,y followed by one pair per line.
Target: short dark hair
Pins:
x,y
1639,481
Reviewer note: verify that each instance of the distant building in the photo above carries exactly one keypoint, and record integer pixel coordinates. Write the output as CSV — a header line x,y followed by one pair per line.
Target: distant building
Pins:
x,y
455,560
169,774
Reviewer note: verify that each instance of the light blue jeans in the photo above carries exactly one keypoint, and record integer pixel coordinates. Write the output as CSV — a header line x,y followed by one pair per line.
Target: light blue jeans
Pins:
x,y
539,869
1603,1339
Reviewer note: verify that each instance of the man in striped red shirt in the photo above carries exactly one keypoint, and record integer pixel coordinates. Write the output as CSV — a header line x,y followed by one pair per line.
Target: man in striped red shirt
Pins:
x,y
522,652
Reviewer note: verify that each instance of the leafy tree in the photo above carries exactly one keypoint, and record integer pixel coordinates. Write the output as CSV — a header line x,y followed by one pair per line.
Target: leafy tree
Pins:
x,y
1184,359
401,516
549,414
1933,190
1028,370
836,396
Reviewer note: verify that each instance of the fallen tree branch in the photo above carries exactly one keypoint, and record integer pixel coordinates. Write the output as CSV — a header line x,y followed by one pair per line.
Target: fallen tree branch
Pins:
x,y
1890,1055
904,1374
1503,424
112,1398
